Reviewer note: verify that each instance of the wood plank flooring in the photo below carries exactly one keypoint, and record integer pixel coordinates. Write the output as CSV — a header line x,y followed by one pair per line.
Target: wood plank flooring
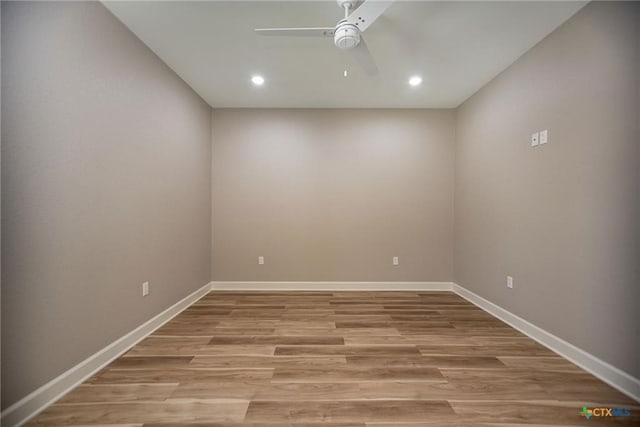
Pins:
x,y
348,359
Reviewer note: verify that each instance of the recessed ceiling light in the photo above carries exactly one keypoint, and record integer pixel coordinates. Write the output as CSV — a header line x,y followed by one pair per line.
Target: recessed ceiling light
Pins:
x,y
257,80
415,81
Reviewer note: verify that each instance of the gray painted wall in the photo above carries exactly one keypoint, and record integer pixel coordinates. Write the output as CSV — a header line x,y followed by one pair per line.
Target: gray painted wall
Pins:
x,y
333,195
563,219
106,183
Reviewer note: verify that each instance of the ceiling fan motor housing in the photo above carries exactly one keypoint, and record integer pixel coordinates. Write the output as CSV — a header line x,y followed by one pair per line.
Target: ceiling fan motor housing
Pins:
x,y
346,36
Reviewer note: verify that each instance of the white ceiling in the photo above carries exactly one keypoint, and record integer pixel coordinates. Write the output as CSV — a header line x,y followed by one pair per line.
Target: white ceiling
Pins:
x,y
457,47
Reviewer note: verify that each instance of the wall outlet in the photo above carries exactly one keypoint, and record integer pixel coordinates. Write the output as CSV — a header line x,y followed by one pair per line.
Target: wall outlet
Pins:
x,y
145,289
396,260
261,260
544,136
535,139
509,282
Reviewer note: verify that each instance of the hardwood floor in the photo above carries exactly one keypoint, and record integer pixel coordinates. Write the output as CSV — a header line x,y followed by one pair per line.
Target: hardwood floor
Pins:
x,y
364,359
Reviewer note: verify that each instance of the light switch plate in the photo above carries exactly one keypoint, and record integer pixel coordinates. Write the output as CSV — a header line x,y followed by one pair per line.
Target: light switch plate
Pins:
x,y
544,137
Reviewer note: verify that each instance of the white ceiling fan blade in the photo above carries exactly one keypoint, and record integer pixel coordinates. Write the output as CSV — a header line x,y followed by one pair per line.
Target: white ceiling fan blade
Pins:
x,y
368,12
363,56
296,32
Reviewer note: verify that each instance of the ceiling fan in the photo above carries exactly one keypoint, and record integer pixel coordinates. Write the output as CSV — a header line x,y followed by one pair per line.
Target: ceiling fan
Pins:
x,y
347,34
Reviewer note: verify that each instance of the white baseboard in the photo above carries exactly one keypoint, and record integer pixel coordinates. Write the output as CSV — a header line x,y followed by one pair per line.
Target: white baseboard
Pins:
x,y
608,373
332,286
30,405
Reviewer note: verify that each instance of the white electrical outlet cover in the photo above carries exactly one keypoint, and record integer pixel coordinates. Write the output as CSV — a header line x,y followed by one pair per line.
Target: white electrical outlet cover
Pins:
x,y
534,139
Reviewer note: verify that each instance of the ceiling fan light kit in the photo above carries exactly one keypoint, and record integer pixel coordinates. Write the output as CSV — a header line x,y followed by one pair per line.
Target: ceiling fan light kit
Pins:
x,y
347,34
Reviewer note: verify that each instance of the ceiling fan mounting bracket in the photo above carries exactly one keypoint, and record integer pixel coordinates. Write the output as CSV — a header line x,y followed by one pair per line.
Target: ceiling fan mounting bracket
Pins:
x,y
345,3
